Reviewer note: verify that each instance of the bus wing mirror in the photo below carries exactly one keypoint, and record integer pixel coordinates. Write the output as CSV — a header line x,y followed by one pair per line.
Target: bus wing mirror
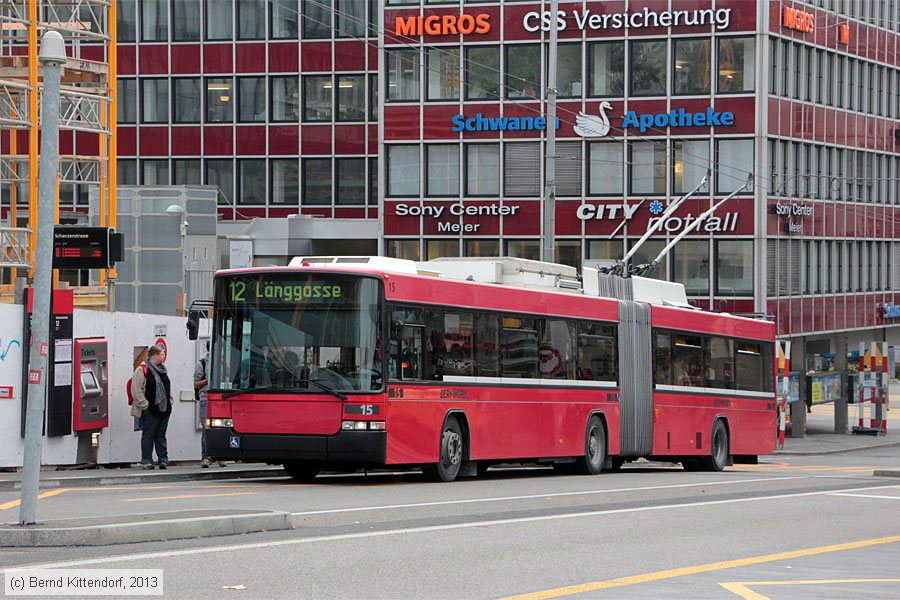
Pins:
x,y
193,325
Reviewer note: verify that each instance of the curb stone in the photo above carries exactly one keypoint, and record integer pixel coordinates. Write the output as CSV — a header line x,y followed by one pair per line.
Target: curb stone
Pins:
x,y
16,536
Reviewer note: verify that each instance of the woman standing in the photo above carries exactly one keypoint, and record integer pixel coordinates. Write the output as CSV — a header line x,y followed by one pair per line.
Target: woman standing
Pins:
x,y
152,393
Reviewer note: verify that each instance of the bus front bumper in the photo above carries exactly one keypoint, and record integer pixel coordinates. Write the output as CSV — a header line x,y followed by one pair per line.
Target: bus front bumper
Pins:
x,y
368,447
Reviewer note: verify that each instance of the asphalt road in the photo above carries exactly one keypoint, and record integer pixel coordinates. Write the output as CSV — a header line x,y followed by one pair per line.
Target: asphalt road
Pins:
x,y
817,527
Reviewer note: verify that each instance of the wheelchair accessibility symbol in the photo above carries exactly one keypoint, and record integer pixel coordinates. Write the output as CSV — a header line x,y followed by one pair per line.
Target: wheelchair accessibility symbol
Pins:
x,y
234,442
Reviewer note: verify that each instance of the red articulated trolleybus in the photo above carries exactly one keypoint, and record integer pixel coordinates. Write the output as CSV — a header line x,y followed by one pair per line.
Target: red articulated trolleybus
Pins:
x,y
454,365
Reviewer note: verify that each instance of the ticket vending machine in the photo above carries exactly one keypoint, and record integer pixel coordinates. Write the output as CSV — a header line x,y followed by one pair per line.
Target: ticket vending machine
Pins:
x,y
90,411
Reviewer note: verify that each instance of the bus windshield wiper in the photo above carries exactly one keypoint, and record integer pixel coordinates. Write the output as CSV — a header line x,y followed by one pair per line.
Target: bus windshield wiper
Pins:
x,y
277,389
323,387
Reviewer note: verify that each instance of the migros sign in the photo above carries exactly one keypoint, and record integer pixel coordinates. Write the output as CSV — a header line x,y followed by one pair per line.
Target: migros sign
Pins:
x,y
443,25
798,20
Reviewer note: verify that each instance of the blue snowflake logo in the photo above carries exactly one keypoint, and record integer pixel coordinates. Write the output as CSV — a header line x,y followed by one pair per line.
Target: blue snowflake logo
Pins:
x,y
656,207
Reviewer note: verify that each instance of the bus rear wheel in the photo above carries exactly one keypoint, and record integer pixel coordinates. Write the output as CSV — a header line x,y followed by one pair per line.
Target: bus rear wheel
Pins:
x,y
451,454
594,449
301,470
718,454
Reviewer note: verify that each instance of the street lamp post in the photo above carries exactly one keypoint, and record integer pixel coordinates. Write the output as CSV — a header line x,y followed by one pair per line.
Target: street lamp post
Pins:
x,y
52,57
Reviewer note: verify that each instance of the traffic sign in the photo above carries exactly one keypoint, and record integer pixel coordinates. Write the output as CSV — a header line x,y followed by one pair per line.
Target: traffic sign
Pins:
x,y
165,349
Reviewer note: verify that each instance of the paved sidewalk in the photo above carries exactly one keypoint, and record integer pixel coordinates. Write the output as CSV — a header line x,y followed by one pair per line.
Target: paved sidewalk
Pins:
x,y
821,438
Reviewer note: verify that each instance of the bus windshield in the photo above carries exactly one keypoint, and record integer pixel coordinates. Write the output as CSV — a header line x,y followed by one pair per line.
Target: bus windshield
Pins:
x,y
284,331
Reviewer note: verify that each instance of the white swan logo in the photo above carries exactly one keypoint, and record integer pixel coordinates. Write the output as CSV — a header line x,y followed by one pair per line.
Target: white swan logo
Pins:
x,y
593,126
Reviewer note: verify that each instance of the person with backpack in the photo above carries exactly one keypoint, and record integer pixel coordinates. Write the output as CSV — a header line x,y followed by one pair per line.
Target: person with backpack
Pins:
x,y
151,393
201,385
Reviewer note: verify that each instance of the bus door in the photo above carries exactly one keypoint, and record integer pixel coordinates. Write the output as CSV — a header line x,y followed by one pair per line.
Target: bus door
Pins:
x,y
636,383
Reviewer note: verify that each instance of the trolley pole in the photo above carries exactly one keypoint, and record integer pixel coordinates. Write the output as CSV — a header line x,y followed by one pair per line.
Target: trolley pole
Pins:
x,y
52,57
548,253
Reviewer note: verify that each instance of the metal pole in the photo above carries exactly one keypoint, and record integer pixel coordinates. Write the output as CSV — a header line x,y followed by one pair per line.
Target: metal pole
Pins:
x,y
52,57
549,233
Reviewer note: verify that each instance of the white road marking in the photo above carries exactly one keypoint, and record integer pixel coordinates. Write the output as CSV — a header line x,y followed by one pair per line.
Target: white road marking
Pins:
x,y
534,496
867,496
144,556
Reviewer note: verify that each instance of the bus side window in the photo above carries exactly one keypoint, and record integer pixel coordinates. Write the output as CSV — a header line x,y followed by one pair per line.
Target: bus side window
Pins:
x,y
662,371
407,349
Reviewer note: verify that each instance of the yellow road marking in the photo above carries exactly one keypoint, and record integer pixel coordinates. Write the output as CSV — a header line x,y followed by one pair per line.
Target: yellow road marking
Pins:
x,y
15,503
741,588
184,496
681,572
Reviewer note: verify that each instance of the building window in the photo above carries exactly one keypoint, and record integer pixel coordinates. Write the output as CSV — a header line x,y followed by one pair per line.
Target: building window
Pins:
x,y
648,168
317,180
648,252
373,98
402,170
606,168
219,20
482,169
185,21
648,68
443,73
126,174
692,68
477,248
441,248
154,100
351,181
285,181
251,99
569,165
373,181
351,18
220,173
155,20
126,107
155,172
737,65
317,98
187,100
568,252
523,71
283,19
442,164
568,70
252,181
529,249
403,74
734,268
606,69
186,172
690,266
522,169
219,100
317,20
690,162
482,72
405,249
734,162
351,97
251,19
285,99
126,21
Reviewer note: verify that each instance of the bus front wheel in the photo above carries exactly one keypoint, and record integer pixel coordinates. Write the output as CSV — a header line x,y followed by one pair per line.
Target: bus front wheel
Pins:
x,y
301,470
451,453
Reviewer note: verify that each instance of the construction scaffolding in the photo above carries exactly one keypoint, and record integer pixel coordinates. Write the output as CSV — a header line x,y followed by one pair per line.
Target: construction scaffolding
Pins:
x,y
88,106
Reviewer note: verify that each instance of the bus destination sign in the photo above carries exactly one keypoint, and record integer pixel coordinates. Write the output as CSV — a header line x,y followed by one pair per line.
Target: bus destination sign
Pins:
x,y
275,291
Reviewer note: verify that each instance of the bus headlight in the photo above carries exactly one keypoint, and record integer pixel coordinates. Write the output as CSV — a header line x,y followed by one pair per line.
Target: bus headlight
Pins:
x,y
219,423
